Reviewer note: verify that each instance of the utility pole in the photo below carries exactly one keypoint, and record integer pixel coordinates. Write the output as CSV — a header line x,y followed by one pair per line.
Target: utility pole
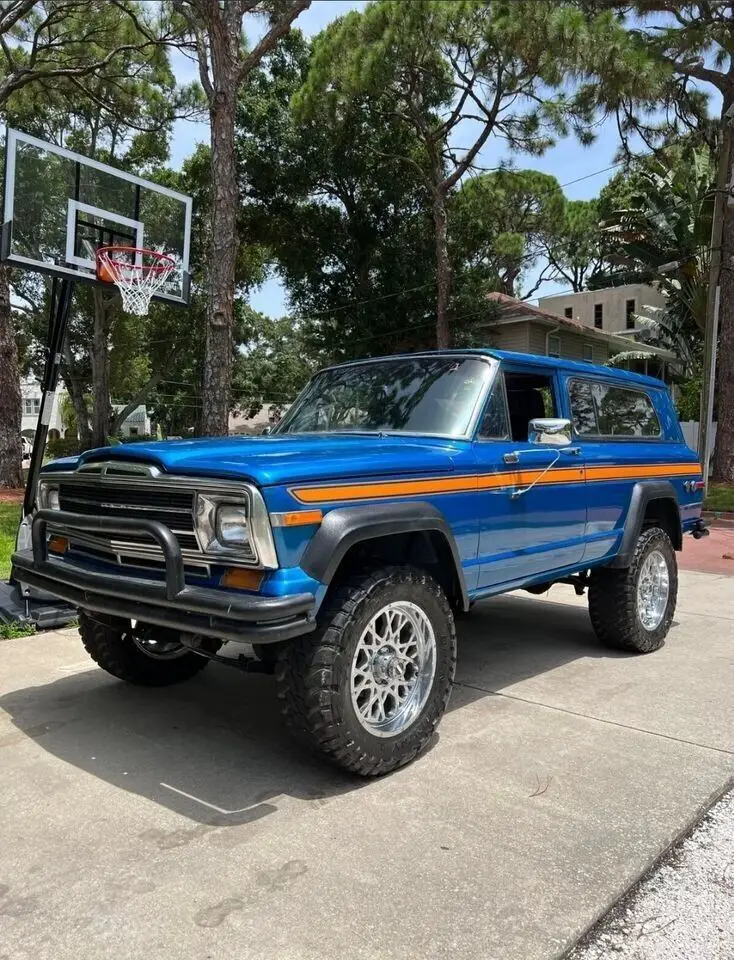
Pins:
x,y
721,200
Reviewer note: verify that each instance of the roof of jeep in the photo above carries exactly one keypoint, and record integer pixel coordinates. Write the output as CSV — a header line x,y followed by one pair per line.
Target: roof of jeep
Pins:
x,y
583,368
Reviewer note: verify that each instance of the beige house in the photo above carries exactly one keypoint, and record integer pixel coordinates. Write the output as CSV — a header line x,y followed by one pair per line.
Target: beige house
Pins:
x,y
612,310
527,329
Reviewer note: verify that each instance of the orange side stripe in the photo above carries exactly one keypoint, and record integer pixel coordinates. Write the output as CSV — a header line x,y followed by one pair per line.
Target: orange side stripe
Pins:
x,y
398,488
491,481
650,470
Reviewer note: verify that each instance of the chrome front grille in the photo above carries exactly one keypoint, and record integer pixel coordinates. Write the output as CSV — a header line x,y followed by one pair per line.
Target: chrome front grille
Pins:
x,y
130,491
172,507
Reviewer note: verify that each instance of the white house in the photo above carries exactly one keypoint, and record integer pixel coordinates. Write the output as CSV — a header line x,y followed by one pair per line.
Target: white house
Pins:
x,y
136,424
31,394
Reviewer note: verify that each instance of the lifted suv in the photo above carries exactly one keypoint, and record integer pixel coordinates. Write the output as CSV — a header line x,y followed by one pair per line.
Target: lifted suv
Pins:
x,y
337,550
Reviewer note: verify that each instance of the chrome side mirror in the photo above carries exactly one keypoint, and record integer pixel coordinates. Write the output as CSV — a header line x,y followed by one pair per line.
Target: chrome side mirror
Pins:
x,y
551,431
266,431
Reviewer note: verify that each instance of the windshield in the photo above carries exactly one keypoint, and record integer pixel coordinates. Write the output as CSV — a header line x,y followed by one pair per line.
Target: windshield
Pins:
x,y
434,395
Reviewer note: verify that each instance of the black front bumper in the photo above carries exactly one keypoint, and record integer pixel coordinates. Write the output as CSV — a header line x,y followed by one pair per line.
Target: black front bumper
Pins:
x,y
225,615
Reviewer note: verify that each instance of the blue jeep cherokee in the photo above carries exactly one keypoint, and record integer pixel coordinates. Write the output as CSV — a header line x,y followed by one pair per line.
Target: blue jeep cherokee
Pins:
x,y
394,493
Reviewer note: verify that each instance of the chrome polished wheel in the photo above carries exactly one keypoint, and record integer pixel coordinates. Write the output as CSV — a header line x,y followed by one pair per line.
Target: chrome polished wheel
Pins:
x,y
653,590
158,643
393,669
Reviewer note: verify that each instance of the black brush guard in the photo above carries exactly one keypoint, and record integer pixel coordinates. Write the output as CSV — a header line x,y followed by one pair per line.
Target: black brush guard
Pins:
x,y
225,615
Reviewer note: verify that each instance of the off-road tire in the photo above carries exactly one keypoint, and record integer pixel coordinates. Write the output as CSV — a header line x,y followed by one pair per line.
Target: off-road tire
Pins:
x,y
314,672
613,598
109,642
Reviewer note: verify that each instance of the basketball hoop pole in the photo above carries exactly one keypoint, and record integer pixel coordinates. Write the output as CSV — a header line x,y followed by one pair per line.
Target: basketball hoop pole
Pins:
x,y
61,294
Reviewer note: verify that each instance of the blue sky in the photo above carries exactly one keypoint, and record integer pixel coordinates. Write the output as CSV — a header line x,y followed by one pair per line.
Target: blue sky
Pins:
x,y
568,160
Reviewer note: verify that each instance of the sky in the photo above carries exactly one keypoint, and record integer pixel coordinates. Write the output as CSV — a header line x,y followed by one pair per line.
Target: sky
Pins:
x,y
582,170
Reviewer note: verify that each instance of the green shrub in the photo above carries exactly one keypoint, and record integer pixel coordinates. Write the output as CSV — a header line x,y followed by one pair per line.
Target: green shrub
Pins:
x,y
689,397
63,447
141,438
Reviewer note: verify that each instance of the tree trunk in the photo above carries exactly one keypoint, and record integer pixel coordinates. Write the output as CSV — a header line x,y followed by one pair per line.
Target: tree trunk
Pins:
x,y
11,411
76,392
222,260
100,357
443,270
724,444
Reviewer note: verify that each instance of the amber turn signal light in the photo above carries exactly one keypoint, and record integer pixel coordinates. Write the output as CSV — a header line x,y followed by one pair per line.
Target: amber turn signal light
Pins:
x,y
241,579
58,544
296,518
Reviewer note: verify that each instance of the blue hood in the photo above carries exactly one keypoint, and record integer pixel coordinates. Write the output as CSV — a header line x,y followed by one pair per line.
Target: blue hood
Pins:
x,y
287,459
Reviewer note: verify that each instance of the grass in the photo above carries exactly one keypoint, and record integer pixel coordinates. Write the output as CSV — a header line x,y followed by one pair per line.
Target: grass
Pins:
x,y
720,497
12,631
9,520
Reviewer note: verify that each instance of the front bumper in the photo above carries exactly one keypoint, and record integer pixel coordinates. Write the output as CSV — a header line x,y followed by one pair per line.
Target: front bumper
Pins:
x,y
225,615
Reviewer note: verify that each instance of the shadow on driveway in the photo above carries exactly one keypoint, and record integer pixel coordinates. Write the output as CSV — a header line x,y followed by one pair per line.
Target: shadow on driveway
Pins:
x,y
214,750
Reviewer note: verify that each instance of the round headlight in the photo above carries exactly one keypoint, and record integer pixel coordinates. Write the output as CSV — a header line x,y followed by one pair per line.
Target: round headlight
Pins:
x,y
232,526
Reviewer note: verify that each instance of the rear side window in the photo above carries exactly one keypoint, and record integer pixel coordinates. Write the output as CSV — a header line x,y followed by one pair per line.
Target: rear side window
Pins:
x,y
604,410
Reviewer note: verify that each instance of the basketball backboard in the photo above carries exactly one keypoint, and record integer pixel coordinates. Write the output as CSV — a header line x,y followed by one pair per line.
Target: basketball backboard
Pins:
x,y
61,206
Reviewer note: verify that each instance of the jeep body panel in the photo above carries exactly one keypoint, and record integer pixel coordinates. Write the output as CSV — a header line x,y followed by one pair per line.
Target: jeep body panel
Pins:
x,y
511,513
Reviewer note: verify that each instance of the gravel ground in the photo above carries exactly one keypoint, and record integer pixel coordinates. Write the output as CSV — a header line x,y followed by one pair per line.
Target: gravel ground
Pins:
x,y
682,911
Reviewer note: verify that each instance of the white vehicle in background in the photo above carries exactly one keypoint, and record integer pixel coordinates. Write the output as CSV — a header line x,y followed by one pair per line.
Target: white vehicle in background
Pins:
x,y
27,446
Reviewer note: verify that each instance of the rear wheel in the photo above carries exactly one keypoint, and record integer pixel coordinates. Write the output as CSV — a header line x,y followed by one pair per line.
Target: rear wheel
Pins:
x,y
632,609
144,655
369,687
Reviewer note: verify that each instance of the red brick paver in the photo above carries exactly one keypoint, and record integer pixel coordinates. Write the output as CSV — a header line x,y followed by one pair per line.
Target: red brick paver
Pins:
x,y
712,554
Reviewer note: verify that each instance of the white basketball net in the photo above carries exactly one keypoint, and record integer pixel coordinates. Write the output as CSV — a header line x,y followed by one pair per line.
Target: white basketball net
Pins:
x,y
137,283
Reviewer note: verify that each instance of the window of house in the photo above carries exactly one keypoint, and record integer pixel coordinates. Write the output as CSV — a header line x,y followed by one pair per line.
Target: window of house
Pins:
x,y
134,431
554,346
598,315
31,406
604,410
588,353
629,314
495,423
568,313
529,396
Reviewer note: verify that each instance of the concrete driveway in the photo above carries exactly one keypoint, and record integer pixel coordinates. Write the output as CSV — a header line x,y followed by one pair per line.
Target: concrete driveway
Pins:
x,y
185,823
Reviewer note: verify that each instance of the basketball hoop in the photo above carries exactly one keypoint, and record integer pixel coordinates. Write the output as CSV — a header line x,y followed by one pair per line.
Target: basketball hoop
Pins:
x,y
136,272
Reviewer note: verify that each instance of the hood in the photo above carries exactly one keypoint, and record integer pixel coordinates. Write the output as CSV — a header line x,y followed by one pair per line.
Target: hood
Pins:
x,y
290,459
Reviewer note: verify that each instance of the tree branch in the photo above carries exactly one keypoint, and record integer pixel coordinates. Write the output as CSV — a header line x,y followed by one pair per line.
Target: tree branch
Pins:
x,y
699,72
200,46
469,157
137,399
267,43
13,12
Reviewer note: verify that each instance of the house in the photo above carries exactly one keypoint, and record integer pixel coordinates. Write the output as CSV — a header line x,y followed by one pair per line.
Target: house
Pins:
x,y
136,424
527,329
612,309
268,416
31,395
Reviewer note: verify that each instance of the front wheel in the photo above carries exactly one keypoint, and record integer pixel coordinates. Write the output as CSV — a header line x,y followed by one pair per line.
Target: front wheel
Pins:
x,y
369,687
144,655
632,609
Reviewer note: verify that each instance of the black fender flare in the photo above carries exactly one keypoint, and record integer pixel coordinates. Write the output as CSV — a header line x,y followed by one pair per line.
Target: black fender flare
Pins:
x,y
344,527
642,493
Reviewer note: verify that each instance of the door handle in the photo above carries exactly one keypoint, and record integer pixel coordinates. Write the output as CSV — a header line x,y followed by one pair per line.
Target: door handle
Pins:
x,y
514,455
